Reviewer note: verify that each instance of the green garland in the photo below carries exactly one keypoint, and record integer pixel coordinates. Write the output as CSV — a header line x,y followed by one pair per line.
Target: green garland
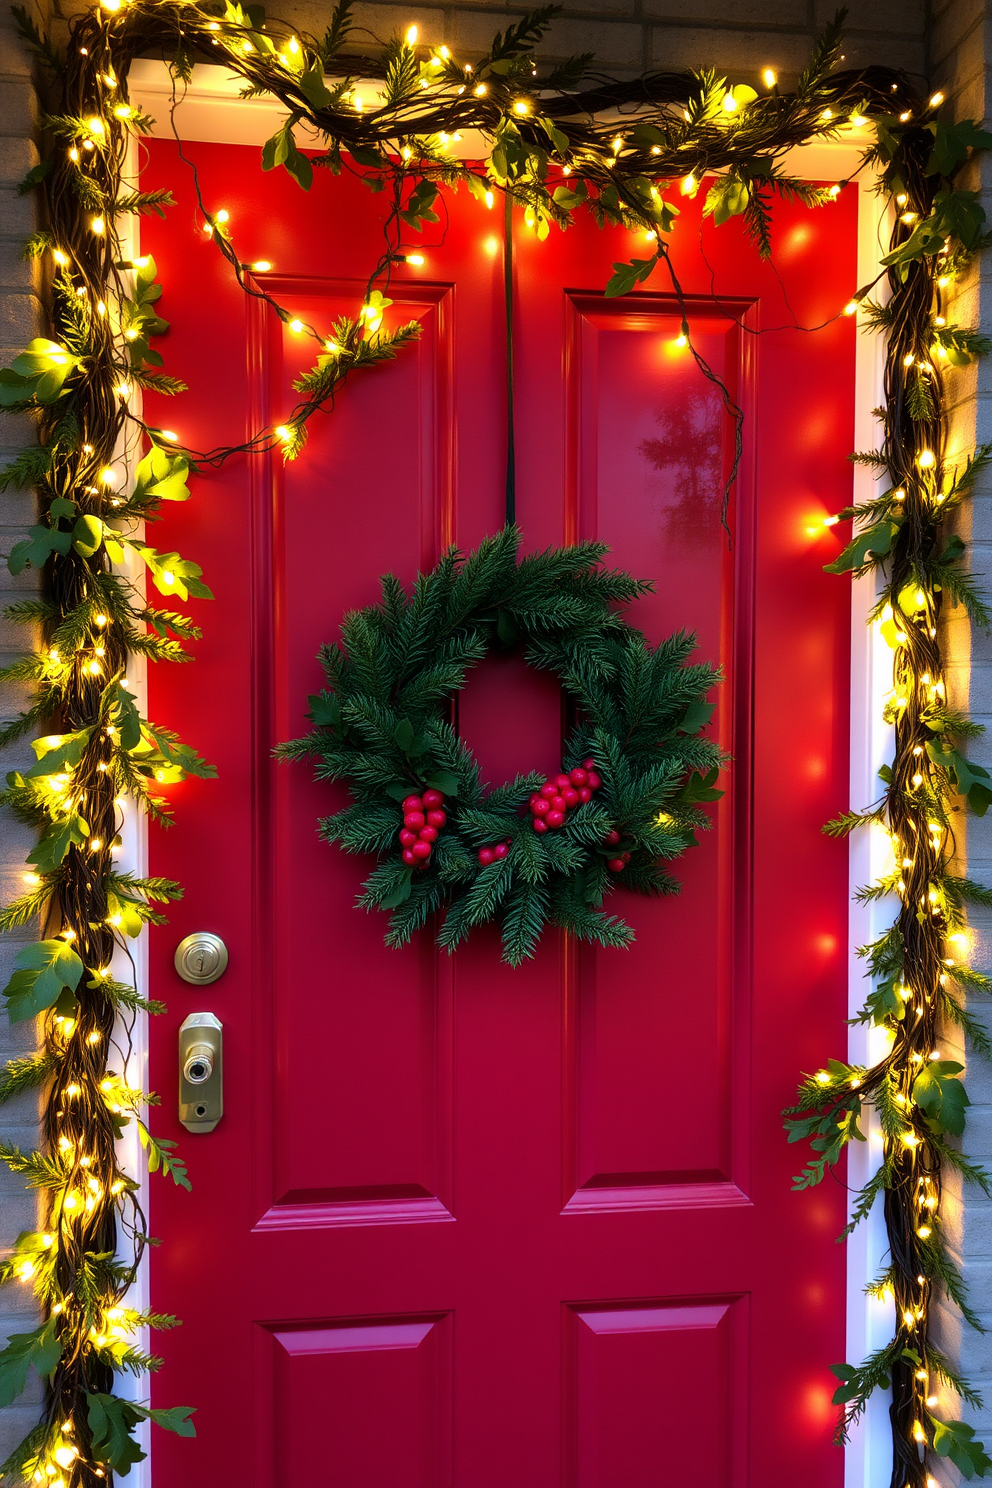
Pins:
x,y
553,154
632,774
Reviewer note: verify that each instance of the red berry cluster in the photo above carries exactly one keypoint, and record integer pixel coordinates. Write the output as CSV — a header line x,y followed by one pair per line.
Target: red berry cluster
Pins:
x,y
489,855
423,818
551,804
616,865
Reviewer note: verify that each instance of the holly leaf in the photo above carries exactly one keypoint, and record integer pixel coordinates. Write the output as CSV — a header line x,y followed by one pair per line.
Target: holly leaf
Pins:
x,y
44,970
444,781
941,1096
399,893
40,1348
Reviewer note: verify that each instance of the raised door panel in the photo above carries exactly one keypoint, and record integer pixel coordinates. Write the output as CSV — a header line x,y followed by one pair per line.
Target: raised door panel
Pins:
x,y
375,1087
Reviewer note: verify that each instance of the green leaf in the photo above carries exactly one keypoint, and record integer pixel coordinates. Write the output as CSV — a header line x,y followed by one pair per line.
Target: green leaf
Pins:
x,y
87,535
44,970
443,781
626,275
952,143
399,893
971,780
875,540
111,1421
55,842
161,1155
727,197
957,1441
404,735
57,753
40,1348
941,1096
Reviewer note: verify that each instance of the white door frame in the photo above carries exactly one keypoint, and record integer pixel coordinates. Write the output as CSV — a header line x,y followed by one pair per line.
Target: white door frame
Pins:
x,y
213,111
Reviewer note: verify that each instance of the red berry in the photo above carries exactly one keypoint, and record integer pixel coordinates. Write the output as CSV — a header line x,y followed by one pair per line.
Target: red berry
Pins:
x,y
616,865
428,833
421,850
486,856
437,819
541,806
585,794
501,849
536,796
589,764
539,824
570,797
413,803
555,818
561,781
414,820
577,776
548,790
408,857
407,838
558,803
626,858
594,780
612,837
433,799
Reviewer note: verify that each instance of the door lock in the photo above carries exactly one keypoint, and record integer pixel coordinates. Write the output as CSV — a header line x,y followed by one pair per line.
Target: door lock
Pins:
x,y
201,1072
201,957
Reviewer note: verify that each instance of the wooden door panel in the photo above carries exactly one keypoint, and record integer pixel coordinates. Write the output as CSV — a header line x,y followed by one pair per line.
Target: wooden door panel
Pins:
x,y
478,1226
629,1402
376,1084
376,1395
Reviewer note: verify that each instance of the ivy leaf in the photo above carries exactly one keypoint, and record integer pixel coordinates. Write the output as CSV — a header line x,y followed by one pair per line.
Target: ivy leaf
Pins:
x,y
57,753
727,197
111,1421
55,842
44,969
696,717
626,275
971,780
952,143
40,1348
941,1096
957,1441
281,150
127,718
174,575
875,540
36,548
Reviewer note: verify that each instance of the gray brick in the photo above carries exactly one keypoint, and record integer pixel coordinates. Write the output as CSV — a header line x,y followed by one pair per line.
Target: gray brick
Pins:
x,y
18,109
790,13
731,51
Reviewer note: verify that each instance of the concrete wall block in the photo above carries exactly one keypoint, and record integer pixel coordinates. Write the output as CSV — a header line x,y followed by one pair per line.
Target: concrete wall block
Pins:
x,y
19,317
729,51
885,17
18,107
793,14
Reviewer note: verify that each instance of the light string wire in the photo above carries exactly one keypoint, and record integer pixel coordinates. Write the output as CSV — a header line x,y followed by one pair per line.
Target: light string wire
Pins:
x,y
554,150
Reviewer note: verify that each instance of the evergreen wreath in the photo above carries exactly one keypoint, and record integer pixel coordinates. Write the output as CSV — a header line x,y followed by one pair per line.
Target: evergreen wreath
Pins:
x,y
538,849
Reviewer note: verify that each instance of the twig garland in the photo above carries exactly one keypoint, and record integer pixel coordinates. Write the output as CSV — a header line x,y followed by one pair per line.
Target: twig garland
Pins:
x,y
552,153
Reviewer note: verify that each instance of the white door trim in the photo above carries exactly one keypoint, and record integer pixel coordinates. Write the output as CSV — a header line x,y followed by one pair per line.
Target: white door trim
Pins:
x,y
212,110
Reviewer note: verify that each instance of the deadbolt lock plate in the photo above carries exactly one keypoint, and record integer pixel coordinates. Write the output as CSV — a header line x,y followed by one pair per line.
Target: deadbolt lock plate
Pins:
x,y
201,957
201,1072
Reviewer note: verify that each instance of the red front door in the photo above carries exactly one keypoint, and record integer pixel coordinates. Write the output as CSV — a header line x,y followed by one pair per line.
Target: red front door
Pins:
x,y
463,1226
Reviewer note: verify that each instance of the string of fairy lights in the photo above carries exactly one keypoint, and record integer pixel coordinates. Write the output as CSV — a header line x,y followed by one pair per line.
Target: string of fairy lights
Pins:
x,y
558,140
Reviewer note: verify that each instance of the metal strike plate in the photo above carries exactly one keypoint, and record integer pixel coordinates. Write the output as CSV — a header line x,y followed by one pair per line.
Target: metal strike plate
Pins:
x,y
201,957
201,1072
